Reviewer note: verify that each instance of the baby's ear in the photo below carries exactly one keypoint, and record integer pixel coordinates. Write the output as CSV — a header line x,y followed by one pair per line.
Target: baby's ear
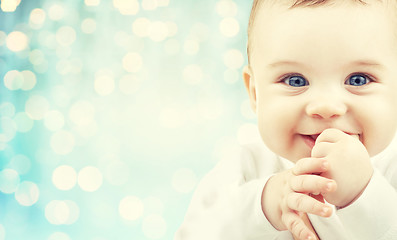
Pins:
x,y
250,86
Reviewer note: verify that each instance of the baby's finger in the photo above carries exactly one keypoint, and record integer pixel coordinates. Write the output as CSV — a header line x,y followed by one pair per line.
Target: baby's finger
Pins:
x,y
312,184
330,135
310,165
304,203
321,149
297,227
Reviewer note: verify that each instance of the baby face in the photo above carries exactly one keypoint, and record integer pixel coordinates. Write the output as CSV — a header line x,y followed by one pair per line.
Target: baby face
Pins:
x,y
314,68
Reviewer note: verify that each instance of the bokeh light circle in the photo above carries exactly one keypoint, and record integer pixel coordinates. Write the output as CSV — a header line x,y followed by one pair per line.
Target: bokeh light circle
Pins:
x,y
64,177
149,5
36,57
65,36
90,179
172,28
27,193
17,41
104,85
56,212
82,113
131,208
88,25
233,59
158,31
23,122
140,27
9,5
56,12
13,80
229,27
36,107
127,7
74,212
7,109
132,62
8,129
37,18
29,80
59,212
226,8
9,180
191,47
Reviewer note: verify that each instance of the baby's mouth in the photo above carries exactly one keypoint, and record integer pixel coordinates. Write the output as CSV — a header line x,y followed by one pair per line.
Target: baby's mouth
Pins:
x,y
314,136
310,140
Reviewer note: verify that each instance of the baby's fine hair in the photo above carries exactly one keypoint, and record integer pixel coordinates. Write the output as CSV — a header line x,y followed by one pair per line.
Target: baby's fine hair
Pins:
x,y
293,4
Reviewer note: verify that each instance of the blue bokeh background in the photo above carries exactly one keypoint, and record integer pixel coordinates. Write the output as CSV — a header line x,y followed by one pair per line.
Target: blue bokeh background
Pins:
x,y
111,111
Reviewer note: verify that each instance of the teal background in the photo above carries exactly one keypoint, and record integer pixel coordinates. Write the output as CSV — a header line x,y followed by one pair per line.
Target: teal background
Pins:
x,y
94,149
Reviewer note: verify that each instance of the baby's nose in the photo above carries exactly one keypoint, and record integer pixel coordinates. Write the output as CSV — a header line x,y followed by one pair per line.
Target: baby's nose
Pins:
x,y
326,108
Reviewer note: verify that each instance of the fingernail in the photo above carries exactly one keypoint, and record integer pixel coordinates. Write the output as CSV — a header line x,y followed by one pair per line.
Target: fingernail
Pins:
x,y
329,186
325,165
324,211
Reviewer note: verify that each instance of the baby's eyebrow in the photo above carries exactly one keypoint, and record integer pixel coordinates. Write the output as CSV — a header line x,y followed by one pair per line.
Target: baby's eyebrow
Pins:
x,y
283,63
360,63
367,63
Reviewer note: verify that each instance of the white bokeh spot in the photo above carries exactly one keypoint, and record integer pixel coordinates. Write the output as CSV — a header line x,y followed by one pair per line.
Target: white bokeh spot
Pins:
x,y
90,179
131,208
9,180
64,177
229,27
36,107
27,193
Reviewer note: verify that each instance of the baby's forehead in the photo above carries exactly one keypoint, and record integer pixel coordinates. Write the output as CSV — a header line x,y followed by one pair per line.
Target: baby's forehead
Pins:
x,y
263,11
266,9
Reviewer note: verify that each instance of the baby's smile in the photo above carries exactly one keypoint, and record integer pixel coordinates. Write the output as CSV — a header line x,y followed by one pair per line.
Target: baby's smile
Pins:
x,y
310,139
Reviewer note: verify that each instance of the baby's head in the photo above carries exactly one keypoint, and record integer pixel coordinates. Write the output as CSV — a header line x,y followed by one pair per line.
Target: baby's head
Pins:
x,y
323,64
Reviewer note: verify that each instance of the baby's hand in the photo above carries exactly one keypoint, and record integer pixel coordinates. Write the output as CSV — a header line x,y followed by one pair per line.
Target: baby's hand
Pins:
x,y
350,165
286,196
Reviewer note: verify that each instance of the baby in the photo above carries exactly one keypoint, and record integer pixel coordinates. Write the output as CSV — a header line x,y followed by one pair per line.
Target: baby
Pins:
x,y
322,79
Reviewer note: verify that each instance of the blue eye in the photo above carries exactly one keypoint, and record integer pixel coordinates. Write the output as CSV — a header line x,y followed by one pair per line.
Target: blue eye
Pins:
x,y
357,80
296,81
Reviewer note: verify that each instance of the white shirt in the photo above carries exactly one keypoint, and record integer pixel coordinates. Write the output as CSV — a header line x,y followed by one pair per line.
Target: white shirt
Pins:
x,y
227,202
